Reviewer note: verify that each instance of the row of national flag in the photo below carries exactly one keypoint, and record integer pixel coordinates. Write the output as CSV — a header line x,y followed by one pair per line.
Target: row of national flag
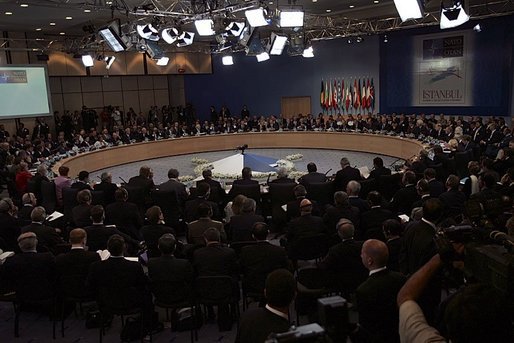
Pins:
x,y
341,95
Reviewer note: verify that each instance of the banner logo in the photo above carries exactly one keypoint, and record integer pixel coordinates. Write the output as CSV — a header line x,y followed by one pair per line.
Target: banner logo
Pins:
x,y
13,76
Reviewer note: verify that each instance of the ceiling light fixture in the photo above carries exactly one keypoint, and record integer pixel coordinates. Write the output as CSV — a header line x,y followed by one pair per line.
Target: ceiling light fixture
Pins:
x,y
69,18
477,28
24,5
205,27
227,60
163,61
276,44
263,56
291,18
256,17
148,32
308,52
8,13
185,39
170,35
38,29
52,24
351,6
87,10
385,39
62,33
88,61
109,60
453,16
328,10
114,38
409,9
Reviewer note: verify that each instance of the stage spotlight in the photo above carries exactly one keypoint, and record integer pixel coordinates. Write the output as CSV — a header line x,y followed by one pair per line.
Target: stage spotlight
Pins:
x,y
87,61
170,35
296,44
453,16
163,61
291,18
349,41
409,9
477,28
235,28
385,39
308,52
185,39
204,27
114,38
109,60
141,46
256,17
359,39
227,60
276,44
148,32
263,56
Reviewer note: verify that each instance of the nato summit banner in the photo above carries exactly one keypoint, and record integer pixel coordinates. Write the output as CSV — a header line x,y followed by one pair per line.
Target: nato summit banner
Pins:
x,y
443,70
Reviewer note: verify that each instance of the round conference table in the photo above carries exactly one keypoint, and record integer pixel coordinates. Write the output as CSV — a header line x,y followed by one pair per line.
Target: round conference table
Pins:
x,y
370,143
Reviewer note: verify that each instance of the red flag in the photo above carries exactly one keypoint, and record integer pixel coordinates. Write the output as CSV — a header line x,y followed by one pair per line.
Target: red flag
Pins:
x,y
334,95
368,95
364,101
322,95
372,95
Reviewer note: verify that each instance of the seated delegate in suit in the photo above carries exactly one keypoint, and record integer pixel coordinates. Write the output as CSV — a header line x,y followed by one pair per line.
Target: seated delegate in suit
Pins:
x,y
28,201
257,324
353,189
372,220
75,263
341,209
47,236
217,194
40,176
202,194
143,181
82,212
378,169
258,260
436,186
9,226
453,199
241,225
403,199
30,274
98,233
376,297
154,230
246,178
167,269
197,228
107,187
345,175
392,231
82,182
344,260
282,177
293,206
312,176
304,226
174,185
215,259
124,214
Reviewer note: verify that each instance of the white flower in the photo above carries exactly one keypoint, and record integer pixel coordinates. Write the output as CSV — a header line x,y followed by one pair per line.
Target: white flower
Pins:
x,y
294,157
197,160
201,167
186,178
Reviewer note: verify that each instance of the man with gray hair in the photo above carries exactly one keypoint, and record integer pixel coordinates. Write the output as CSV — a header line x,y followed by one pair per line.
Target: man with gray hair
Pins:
x,y
241,224
37,180
346,174
46,235
282,176
107,187
344,261
353,188
174,185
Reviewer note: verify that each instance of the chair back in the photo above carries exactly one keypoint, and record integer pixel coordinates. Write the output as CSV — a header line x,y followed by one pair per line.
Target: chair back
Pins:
x,y
309,248
48,196
249,191
281,193
322,193
461,163
313,277
69,199
238,246
169,293
74,286
169,204
98,198
31,187
366,187
388,185
213,290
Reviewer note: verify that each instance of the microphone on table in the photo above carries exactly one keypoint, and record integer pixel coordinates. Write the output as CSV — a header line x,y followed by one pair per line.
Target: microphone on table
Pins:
x,y
328,171
267,181
122,179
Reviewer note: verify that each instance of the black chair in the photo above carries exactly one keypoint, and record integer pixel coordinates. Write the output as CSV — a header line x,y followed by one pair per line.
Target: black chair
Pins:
x,y
238,246
312,284
69,199
48,196
366,187
31,187
97,198
137,196
322,193
388,185
280,194
461,163
308,248
73,290
249,191
440,172
173,296
169,204
220,291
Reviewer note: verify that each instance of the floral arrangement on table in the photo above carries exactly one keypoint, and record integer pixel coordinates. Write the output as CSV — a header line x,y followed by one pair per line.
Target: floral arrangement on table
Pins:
x,y
257,175
201,167
294,157
297,174
186,178
198,161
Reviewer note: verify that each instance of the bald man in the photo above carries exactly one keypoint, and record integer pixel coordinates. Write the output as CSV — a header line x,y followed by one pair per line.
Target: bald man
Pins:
x,y
306,225
376,297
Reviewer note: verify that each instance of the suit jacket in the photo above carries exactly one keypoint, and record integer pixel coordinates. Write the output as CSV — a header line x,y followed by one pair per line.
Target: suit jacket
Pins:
x,y
82,215
241,226
257,324
196,229
371,222
46,235
454,201
334,213
191,209
304,226
218,194
345,263
81,185
151,234
117,282
25,211
361,204
175,186
245,182
170,269
9,231
215,260
436,188
376,303
75,264
394,246
376,173
141,182
108,188
344,176
283,180
403,200
258,260
31,275
126,217
313,177
99,234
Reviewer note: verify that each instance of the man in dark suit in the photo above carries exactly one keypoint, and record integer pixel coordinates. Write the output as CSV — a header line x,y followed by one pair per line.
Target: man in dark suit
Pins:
x,y
404,198
304,226
82,182
246,179
258,260
436,186
47,236
453,199
82,212
197,228
9,226
124,215
174,185
39,177
257,324
424,193
215,259
217,194
28,201
118,283
30,274
293,206
353,189
371,221
144,182
241,224
378,169
107,187
418,248
392,231
75,264
376,297
98,234
312,176
154,230
341,209
478,133
343,260
345,175
202,194
488,196
167,268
